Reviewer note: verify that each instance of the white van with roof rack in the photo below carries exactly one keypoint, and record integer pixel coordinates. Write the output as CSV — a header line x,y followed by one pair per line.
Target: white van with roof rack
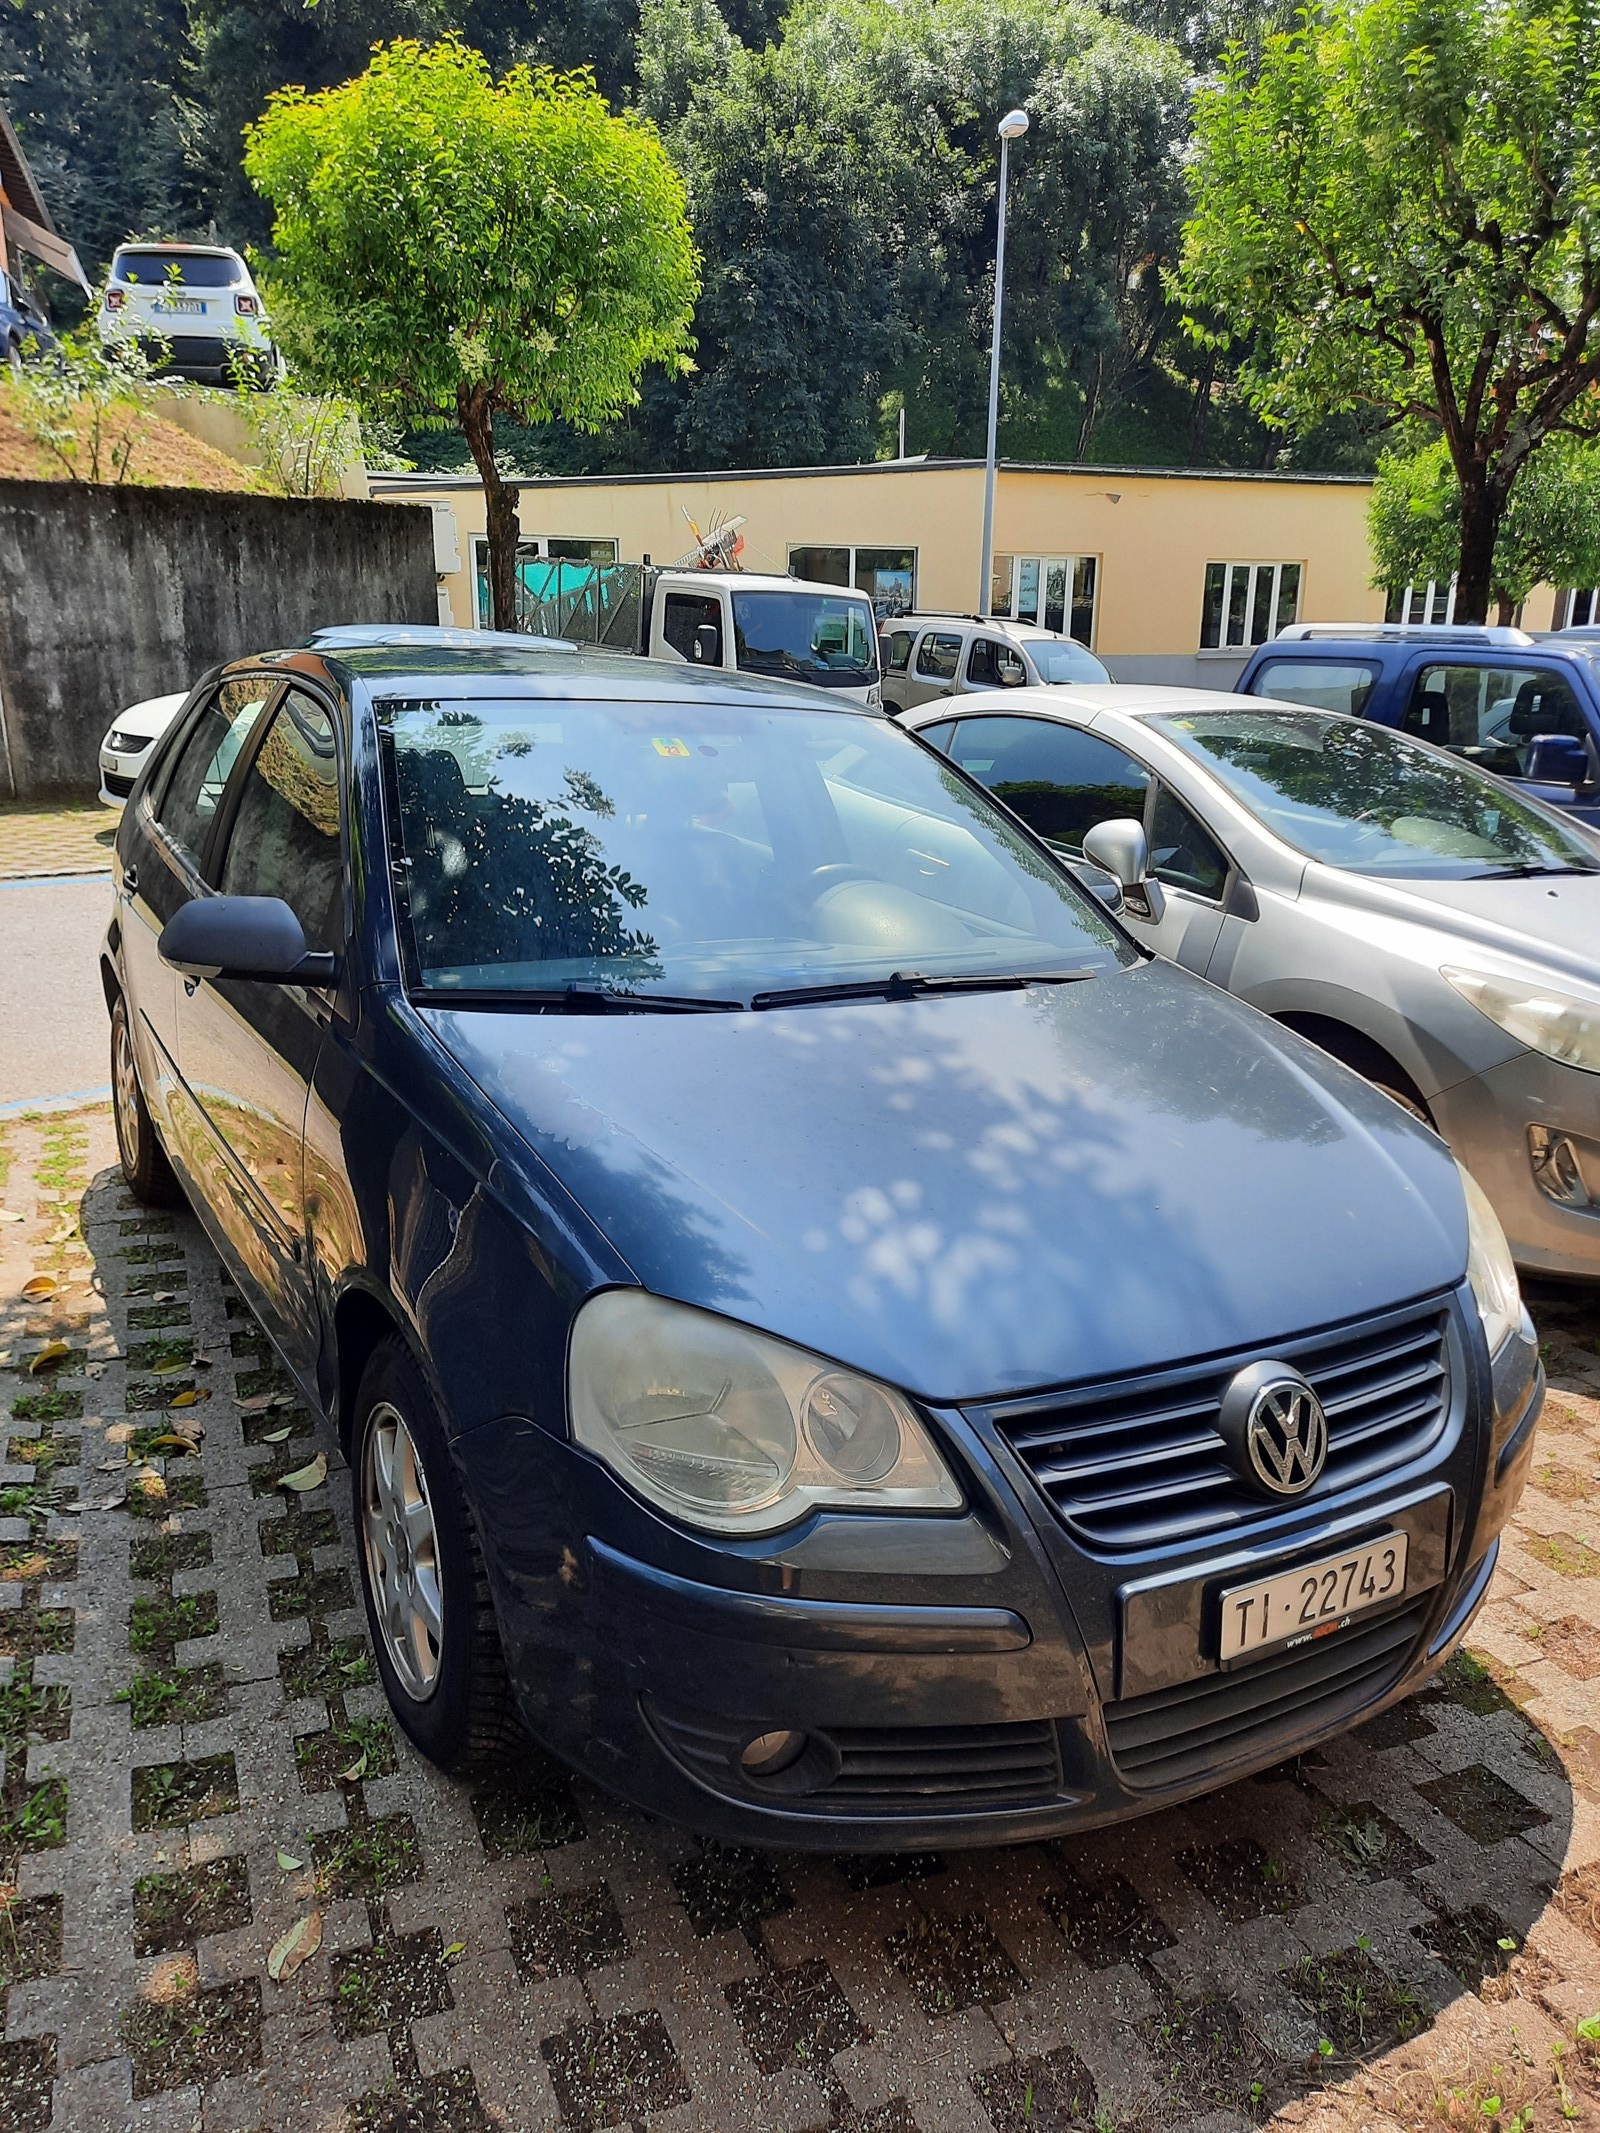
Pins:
x,y
193,310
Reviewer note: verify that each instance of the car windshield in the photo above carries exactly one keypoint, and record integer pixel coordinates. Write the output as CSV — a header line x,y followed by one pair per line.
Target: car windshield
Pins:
x,y
712,851
190,270
828,639
1062,659
1366,799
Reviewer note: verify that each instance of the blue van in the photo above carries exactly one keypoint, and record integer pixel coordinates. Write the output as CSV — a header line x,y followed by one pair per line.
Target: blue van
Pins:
x,y
1527,708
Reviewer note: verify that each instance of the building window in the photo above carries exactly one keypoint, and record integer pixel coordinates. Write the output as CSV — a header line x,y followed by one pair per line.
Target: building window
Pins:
x,y
1578,610
888,576
1058,591
1246,603
1433,603
534,584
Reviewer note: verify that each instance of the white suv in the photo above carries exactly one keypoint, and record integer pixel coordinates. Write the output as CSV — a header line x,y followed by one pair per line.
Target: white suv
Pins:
x,y
195,312
945,655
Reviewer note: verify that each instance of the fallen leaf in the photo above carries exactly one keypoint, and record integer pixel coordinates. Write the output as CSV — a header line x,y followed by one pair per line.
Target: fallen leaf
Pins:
x,y
456,1947
277,1436
170,1441
258,1403
119,1433
169,1368
302,1941
110,1466
50,1357
60,1236
358,1769
191,1398
41,1286
9,1214
288,1864
165,1296
306,1477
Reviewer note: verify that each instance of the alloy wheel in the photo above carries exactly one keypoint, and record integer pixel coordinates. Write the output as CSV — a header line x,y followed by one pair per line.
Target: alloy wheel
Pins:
x,y
125,1092
401,1545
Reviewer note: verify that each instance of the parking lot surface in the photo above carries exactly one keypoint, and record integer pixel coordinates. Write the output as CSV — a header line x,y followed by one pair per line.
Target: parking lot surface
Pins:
x,y
231,1897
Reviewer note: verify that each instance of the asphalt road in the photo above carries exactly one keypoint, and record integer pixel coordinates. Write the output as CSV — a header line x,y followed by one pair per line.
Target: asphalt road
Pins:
x,y
53,1029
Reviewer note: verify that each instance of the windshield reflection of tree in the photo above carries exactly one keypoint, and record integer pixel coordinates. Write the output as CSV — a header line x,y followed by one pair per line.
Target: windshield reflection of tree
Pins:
x,y
504,878
1354,773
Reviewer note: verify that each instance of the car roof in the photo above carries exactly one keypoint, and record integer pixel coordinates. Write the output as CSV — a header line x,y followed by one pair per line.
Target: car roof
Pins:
x,y
153,244
1020,632
544,668
1076,704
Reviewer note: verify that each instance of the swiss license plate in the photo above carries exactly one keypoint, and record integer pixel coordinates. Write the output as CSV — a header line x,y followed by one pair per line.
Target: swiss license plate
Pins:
x,y
192,304
1299,1605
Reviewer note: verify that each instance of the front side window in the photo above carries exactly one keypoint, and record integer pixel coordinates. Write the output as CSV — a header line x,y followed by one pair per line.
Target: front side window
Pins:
x,y
1493,714
1063,662
993,665
704,850
1059,779
1323,684
829,641
1182,853
1247,603
194,785
285,836
1365,798
938,655
684,613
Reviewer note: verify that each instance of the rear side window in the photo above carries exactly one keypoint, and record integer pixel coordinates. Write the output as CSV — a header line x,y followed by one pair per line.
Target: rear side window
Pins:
x,y
1324,684
898,651
194,786
1493,715
1060,780
1182,854
285,836
938,656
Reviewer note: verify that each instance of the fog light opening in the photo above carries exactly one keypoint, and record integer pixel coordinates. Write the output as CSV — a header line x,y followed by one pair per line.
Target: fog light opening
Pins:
x,y
769,1753
1556,1169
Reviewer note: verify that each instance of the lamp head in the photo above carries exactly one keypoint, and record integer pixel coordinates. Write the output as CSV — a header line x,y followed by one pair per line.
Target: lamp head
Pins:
x,y
1013,126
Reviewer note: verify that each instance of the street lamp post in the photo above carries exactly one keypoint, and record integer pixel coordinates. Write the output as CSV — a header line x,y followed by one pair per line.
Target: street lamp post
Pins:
x,y
1011,128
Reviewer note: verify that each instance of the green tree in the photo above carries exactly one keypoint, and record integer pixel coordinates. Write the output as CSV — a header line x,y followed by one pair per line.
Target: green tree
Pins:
x,y
1549,533
453,248
1394,204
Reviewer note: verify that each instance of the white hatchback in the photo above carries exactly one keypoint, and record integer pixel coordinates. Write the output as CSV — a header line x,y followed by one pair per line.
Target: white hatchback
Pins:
x,y
123,751
194,311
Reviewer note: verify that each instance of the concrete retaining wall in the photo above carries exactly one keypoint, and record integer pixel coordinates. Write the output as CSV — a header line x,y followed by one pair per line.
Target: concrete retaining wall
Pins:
x,y
110,595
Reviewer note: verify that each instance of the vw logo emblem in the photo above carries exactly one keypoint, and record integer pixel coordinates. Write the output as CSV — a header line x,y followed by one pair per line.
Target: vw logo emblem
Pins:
x,y
1274,1426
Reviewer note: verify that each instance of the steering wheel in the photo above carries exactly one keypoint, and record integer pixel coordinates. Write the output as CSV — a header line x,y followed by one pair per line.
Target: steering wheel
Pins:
x,y
836,873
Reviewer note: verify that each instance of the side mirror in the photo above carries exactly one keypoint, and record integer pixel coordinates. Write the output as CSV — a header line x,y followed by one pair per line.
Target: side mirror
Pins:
x,y
708,645
1121,850
243,937
1558,759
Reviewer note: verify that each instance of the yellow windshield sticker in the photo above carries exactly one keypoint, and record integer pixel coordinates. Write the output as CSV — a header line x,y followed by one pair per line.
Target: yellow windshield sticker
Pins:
x,y
670,747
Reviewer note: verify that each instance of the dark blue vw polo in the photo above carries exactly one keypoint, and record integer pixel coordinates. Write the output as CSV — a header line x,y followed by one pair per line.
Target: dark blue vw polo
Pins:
x,y
826,1330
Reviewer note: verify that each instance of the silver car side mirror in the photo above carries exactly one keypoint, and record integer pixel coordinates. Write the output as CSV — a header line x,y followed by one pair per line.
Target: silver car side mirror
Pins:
x,y
1122,850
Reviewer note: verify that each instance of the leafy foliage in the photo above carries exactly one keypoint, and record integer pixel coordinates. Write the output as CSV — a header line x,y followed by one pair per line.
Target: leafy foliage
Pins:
x,y
1394,206
1549,533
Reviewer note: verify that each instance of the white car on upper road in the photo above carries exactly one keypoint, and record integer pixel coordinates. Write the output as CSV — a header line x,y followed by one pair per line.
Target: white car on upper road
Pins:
x,y
194,311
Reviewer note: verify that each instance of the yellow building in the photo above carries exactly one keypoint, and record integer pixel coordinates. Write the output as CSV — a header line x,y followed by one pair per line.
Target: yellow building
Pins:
x,y
1170,575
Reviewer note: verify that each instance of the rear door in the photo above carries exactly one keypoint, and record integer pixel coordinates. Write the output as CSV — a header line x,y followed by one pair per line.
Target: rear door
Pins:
x,y
250,1050
933,666
1494,711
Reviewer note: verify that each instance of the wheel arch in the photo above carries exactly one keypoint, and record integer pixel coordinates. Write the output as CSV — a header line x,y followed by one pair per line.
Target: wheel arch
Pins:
x,y
1354,1048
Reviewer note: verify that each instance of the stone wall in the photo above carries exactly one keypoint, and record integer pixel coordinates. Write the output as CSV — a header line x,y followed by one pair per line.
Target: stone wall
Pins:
x,y
109,595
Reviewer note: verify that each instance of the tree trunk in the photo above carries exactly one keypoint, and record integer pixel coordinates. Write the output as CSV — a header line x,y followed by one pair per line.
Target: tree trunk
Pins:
x,y
1480,522
1505,610
1200,411
499,504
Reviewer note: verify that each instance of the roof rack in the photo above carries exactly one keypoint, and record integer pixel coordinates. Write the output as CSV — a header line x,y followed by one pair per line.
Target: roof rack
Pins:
x,y
1486,633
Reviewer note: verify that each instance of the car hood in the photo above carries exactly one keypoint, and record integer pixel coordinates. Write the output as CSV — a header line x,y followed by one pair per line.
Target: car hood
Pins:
x,y
152,717
985,1193
1549,920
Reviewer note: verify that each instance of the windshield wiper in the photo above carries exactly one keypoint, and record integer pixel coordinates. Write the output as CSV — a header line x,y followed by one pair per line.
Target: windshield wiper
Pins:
x,y
578,999
1528,873
916,985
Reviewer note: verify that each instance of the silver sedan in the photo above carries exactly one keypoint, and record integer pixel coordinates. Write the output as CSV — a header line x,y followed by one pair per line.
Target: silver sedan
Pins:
x,y
1405,911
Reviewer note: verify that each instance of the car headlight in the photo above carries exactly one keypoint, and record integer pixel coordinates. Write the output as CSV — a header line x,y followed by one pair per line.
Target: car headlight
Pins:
x,y
121,743
1489,1266
1559,1024
734,1431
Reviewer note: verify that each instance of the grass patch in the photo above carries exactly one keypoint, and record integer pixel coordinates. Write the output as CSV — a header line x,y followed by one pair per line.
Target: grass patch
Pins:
x,y
30,1937
159,1555
48,1407
192,2037
314,1592
26,1562
298,1532
153,1496
176,1696
1359,2007
28,1631
158,1625
44,1454
1560,1552
172,1911
394,1982
171,1795
368,1858
37,1822
345,1664
153,1318
323,1758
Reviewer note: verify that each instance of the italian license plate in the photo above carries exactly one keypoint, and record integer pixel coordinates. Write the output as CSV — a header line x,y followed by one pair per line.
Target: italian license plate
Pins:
x,y
191,304
1314,1601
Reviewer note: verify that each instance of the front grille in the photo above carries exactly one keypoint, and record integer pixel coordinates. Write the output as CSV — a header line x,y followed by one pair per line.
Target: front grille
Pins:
x,y
879,1769
1203,1728
1141,1463
113,782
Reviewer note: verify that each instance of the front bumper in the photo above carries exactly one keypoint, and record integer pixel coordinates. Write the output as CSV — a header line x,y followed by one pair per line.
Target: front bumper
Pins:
x,y
960,1681
1486,1121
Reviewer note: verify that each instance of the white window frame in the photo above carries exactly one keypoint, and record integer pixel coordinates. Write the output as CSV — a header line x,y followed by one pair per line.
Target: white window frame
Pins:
x,y
852,549
1568,607
1246,643
1043,563
1431,605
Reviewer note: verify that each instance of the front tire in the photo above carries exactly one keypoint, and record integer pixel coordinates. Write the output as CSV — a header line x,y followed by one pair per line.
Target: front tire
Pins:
x,y
145,1169
422,1573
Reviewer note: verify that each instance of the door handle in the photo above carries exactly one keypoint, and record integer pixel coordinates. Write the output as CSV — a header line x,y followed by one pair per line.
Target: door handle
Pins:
x,y
130,881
